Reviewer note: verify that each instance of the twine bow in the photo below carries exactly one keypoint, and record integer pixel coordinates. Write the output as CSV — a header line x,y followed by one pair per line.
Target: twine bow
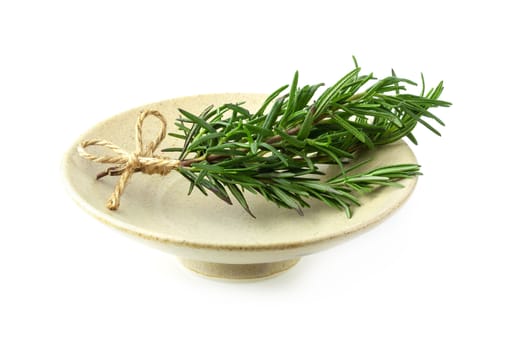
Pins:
x,y
142,160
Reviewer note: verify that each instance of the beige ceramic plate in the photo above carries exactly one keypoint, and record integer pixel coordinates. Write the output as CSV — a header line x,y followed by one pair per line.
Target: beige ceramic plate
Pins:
x,y
208,235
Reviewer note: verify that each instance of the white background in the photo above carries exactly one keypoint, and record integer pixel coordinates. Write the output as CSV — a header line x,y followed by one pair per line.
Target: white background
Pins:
x,y
445,272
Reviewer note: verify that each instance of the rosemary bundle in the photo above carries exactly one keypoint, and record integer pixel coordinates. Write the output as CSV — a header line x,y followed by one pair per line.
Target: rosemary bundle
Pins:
x,y
276,151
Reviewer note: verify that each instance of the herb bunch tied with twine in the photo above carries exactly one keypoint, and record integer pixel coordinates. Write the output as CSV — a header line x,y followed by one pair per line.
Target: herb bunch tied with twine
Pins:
x,y
276,151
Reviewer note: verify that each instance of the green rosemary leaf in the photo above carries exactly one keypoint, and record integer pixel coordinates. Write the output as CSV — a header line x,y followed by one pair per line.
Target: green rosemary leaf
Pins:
x,y
205,138
287,200
422,121
274,113
268,100
182,128
354,131
275,152
172,149
420,107
398,168
179,136
198,180
240,110
192,177
292,99
306,127
227,152
208,167
332,92
320,187
412,138
199,121
435,92
423,87
319,108
254,129
217,188
239,159
341,205
324,150
348,197
352,168
366,178
291,187
292,140
308,161
240,198
305,95
228,146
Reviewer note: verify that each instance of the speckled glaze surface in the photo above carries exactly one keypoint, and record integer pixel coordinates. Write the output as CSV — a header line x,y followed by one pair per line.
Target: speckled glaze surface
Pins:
x,y
210,236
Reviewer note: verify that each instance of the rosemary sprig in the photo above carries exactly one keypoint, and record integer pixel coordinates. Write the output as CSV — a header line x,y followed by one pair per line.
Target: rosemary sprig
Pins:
x,y
276,151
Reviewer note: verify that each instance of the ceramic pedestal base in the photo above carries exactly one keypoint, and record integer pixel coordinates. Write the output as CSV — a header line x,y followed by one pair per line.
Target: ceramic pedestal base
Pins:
x,y
238,271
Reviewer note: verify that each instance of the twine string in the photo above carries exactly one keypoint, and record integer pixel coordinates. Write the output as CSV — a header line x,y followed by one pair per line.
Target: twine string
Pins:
x,y
142,159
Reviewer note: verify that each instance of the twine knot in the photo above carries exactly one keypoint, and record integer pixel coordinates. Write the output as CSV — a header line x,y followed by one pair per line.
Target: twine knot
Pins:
x,y
142,159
